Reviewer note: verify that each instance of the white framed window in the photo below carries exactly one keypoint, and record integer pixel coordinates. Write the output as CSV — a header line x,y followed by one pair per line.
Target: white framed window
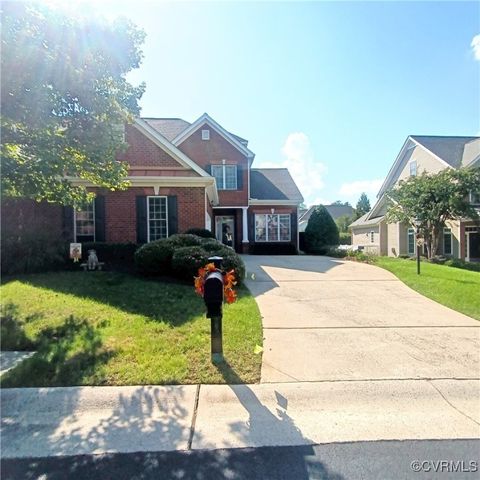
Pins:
x,y
411,241
226,176
205,134
372,237
157,220
447,241
85,224
272,228
413,168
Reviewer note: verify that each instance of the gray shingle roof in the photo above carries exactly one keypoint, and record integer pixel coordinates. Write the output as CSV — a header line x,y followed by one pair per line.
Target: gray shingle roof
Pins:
x,y
335,211
168,127
449,149
273,184
360,222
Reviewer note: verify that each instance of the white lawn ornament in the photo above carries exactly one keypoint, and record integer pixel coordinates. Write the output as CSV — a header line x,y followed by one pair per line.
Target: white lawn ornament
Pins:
x,y
92,261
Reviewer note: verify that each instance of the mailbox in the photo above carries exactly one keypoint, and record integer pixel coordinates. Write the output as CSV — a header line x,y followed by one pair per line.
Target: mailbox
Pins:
x,y
213,294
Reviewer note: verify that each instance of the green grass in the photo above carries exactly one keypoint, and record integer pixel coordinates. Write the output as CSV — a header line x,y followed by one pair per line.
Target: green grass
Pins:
x,y
453,287
101,328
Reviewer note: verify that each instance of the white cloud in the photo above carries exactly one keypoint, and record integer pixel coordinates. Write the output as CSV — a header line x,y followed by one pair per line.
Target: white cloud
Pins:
x,y
476,47
352,189
305,170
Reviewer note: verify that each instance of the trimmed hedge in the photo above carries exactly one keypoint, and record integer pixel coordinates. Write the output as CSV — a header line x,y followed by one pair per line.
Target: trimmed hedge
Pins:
x,y
154,258
200,232
113,254
187,260
457,263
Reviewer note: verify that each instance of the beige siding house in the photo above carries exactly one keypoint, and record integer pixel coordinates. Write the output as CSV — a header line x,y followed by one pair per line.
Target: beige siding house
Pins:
x,y
461,238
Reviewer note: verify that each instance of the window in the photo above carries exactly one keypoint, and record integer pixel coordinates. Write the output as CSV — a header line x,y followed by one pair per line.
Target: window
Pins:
x,y
85,224
447,241
372,237
205,134
411,241
413,168
272,228
475,198
226,176
157,218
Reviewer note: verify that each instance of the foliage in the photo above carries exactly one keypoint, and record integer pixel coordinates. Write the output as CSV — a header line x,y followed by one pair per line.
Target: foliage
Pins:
x,y
343,222
361,256
321,232
34,252
345,238
339,202
457,263
116,255
64,95
184,240
432,199
363,206
201,232
337,253
232,261
187,260
154,258
229,282
282,248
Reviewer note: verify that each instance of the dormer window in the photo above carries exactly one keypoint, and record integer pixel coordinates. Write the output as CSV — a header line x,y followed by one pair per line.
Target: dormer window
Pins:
x,y
205,134
413,168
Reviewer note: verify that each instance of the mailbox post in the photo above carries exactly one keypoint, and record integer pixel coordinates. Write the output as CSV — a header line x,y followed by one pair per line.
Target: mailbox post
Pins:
x,y
213,298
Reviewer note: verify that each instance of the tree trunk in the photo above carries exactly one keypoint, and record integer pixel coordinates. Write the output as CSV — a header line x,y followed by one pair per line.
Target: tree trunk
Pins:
x,y
435,241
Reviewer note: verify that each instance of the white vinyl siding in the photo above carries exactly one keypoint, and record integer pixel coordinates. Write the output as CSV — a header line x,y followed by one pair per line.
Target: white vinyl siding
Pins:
x,y
85,224
157,218
272,228
226,176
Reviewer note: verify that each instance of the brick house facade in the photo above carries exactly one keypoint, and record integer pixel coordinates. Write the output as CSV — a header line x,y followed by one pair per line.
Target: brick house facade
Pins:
x,y
186,176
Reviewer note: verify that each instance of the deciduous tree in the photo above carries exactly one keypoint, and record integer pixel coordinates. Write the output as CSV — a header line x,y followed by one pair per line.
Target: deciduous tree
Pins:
x,y
64,100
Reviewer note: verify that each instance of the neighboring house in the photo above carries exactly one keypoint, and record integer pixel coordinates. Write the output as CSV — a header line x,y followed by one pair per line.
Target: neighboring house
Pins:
x,y
335,211
461,237
185,176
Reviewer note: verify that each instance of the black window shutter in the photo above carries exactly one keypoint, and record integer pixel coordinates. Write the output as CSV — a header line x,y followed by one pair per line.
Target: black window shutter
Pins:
x,y
99,218
239,177
67,223
208,169
293,228
172,214
142,232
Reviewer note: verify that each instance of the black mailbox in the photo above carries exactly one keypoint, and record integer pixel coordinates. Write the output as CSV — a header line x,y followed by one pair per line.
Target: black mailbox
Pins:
x,y
213,294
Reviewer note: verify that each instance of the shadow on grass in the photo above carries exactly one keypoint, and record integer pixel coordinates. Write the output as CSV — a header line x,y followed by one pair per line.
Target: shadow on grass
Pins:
x,y
12,329
69,354
167,301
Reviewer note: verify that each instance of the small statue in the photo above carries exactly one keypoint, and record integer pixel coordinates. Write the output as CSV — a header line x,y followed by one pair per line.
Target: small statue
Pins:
x,y
92,261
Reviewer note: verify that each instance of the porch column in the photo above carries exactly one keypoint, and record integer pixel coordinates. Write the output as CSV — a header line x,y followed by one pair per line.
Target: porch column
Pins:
x,y
244,225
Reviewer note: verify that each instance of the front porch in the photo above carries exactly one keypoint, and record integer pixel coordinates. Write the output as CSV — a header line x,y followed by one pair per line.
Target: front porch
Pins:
x,y
230,226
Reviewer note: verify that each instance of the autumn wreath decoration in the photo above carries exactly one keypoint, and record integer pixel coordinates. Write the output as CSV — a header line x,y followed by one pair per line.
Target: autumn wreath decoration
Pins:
x,y
229,282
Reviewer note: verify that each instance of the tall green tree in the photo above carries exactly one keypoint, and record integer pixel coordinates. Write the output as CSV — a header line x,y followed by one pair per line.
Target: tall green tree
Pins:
x,y
64,100
429,200
363,205
343,222
321,232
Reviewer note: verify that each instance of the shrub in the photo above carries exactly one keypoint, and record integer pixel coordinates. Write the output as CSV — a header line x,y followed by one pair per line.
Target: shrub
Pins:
x,y
321,232
33,252
187,260
214,247
337,253
200,232
154,258
117,255
345,238
457,263
179,240
231,260
280,248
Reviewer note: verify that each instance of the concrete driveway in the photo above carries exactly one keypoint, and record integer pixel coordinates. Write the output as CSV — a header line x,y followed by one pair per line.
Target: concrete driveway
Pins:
x,y
327,320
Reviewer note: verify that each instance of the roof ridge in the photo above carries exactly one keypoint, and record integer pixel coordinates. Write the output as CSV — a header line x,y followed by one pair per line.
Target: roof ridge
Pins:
x,y
163,118
446,136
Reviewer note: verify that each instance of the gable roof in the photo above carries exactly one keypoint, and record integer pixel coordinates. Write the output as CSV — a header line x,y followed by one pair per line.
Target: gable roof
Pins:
x,y
274,184
168,127
238,142
364,221
335,211
448,149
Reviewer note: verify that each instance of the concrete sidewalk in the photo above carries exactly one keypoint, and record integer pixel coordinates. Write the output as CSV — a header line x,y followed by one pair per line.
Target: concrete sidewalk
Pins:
x,y
42,422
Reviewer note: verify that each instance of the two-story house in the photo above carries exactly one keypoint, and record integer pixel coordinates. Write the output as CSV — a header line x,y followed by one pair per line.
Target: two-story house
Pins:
x,y
185,176
431,154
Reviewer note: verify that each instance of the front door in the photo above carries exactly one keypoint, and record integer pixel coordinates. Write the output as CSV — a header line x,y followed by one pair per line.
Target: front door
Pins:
x,y
225,230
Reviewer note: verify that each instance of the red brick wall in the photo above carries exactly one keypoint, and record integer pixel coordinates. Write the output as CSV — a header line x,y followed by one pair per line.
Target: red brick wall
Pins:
x,y
121,216
213,151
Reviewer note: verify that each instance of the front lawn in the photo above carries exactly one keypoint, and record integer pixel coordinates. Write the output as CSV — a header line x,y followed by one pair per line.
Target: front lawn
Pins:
x,y
102,328
453,287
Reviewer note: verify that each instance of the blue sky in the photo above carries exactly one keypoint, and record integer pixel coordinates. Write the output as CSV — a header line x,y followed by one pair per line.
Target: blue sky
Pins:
x,y
329,89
